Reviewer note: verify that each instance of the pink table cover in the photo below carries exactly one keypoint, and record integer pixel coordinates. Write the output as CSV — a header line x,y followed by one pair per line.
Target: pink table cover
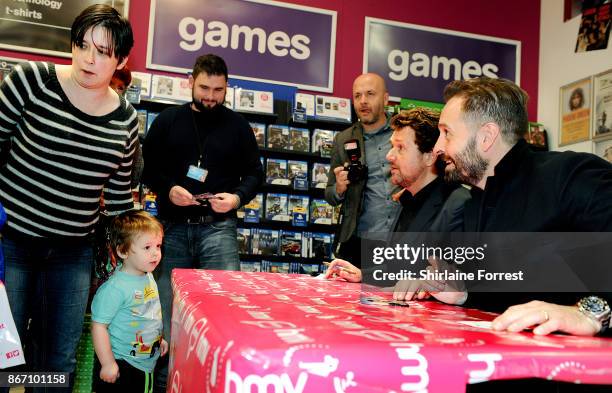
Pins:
x,y
267,332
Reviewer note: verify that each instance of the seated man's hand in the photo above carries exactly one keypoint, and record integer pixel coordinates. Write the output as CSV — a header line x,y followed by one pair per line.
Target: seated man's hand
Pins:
x,y
450,292
547,318
424,289
343,269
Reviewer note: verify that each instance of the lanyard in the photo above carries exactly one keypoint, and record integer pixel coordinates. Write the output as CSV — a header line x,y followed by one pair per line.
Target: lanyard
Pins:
x,y
201,146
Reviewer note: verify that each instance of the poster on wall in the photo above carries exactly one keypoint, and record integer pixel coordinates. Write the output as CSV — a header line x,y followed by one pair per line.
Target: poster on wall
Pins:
x,y
594,30
602,114
418,61
575,110
43,26
260,40
603,149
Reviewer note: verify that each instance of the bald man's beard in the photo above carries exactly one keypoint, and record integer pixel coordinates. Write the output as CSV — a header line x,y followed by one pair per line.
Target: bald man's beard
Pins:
x,y
375,118
469,166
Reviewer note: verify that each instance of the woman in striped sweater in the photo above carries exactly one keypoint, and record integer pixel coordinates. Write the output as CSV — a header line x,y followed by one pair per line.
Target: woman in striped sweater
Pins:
x,y
69,137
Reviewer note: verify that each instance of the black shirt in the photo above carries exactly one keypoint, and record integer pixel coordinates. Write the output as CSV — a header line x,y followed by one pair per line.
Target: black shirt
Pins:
x,y
540,192
230,154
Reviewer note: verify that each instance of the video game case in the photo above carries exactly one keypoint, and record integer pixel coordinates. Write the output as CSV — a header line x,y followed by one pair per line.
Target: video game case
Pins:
x,y
250,266
299,139
320,173
322,142
244,240
276,207
259,130
278,267
297,169
254,209
278,137
150,118
299,204
321,212
291,243
309,268
305,102
142,122
336,216
276,171
264,241
320,245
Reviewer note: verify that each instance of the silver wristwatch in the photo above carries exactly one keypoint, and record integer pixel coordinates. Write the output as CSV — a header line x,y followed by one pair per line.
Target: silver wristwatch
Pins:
x,y
596,308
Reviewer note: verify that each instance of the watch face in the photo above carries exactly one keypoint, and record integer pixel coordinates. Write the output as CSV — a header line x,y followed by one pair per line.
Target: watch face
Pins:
x,y
594,305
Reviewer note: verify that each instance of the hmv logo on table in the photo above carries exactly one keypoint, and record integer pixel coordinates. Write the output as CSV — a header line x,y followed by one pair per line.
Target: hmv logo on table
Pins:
x,y
259,40
417,61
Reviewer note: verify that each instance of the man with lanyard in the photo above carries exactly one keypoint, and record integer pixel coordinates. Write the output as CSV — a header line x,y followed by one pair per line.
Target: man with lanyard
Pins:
x,y
367,205
202,160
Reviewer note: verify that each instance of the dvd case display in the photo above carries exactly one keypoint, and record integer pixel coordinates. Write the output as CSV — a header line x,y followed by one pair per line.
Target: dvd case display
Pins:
x,y
278,137
244,240
250,266
320,173
276,207
142,122
322,142
321,212
252,211
297,169
259,130
299,139
291,243
298,204
264,241
276,171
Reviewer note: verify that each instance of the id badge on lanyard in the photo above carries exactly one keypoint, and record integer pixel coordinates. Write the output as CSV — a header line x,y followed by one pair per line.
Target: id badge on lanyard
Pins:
x,y
196,173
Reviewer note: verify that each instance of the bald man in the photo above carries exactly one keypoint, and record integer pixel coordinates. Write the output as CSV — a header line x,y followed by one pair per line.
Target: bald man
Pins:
x,y
367,205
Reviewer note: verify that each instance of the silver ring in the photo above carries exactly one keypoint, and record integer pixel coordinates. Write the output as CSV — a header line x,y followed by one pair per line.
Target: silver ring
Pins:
x,y
546,317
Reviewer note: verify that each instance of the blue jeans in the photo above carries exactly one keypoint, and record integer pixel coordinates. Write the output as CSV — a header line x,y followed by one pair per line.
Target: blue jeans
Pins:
x,y
48,284
211,246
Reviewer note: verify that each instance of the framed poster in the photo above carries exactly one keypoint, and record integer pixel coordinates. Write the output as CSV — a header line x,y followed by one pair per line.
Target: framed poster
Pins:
x,y
603,149
44,26
602,101
575,112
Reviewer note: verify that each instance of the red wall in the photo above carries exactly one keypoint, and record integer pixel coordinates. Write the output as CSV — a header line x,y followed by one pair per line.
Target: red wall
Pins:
x,y
517,19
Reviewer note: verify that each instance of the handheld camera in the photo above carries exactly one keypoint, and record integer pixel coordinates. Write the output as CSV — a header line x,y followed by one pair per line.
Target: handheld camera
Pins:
x,y
356,170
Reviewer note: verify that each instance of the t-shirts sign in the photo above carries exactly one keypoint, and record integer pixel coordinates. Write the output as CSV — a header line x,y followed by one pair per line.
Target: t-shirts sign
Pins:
x,y
260,40
418,61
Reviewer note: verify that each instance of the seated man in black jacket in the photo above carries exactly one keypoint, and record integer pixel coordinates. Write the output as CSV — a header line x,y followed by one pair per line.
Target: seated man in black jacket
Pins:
x,y
428,202
517,190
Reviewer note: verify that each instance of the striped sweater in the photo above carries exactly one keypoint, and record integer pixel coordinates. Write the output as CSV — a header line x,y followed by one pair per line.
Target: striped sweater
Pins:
x,y
60,158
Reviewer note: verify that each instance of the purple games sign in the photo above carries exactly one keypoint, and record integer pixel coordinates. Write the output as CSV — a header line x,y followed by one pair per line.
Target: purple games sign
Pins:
x,y
418,61
260,40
